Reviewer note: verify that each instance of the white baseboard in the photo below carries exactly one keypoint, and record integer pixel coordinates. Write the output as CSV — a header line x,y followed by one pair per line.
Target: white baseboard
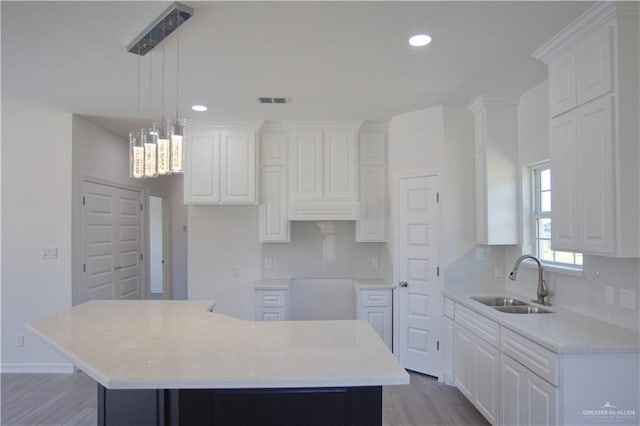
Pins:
x,y
55,368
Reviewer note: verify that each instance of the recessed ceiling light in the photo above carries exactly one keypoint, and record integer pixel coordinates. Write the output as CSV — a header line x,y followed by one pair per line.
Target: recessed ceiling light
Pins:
x,y
420,40
199,108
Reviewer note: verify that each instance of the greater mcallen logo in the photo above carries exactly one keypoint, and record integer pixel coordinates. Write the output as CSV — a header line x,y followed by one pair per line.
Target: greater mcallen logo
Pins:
x,y
609,412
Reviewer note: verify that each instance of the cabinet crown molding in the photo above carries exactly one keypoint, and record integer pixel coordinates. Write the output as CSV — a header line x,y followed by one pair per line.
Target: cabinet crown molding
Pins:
x,y
224,125
601,13
323,124
483,101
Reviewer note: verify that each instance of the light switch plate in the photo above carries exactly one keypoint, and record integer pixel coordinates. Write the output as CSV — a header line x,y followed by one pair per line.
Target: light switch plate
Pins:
x,y
628,299
49,252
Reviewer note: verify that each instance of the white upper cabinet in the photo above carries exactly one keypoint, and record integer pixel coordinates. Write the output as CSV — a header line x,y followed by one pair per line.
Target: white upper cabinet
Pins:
x,y
238,167
372,224
201,178
306,165
496,140
581,73
594,134
221,164
323,171
273,223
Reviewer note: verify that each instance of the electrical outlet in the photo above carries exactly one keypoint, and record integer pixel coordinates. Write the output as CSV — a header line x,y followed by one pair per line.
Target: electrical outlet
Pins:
x,y
19,340
49,252
628,299
375,262
268,263
498,271
235,271
608,295
479,253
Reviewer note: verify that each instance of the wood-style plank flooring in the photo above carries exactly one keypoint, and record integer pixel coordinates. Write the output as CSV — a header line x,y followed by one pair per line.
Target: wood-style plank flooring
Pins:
x,y
70,399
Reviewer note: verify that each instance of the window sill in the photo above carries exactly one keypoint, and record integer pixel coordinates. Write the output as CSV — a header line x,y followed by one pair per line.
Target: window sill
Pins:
x,y
556,269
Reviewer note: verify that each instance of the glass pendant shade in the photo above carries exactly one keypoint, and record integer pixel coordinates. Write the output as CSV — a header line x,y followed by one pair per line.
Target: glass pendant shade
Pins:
x,y
177,138
136,156
149,141
164,149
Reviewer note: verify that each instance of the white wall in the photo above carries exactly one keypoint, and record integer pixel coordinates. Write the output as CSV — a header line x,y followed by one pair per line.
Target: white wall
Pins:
x,y
416,141
583,294
36,213
224,257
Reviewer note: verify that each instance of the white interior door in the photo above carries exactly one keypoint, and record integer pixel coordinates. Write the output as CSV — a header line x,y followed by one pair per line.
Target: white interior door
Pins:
x,y
111,242
417,271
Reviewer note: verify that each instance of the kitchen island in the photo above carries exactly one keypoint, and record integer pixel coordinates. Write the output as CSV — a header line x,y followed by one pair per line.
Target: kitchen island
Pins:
x,y
176,362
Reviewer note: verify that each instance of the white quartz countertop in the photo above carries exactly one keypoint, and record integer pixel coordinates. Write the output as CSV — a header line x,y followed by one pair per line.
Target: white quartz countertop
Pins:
x,y
561,331
181,344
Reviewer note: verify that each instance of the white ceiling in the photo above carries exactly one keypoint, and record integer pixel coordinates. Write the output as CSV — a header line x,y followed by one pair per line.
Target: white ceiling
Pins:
x,y
333,59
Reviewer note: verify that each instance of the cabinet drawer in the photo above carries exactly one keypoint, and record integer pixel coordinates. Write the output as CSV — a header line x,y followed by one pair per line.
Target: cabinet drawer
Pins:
x,y
270,314
448,308
375,297
271,298
482,327
541,361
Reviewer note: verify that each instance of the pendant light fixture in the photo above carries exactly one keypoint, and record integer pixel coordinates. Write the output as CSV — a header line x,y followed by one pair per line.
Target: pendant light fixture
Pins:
x,y
159,150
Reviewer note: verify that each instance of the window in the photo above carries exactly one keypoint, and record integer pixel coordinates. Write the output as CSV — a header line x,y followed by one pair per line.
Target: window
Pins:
x,y
541,176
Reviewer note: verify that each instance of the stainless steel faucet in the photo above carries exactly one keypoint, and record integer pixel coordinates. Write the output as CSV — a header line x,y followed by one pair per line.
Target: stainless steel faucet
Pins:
x,y
543,291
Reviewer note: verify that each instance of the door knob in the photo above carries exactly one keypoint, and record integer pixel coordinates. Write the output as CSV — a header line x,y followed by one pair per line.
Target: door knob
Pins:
x,y
403,284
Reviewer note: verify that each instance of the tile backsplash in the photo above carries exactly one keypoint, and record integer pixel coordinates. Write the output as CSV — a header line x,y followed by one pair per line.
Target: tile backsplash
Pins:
x,y
586,294
324,250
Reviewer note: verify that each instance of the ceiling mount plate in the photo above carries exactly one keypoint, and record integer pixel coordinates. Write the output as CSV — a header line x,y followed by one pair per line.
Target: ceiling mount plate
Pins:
x,y
161,27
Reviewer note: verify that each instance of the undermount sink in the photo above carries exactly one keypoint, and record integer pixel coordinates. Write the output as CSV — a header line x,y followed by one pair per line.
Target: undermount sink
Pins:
x,y
510,305
499,301
526,309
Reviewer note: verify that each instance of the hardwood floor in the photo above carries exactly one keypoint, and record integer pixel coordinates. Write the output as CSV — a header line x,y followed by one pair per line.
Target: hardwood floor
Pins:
x,y
70,399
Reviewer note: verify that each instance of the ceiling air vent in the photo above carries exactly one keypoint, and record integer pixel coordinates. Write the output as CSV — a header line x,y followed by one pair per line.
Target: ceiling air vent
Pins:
x,y
274,100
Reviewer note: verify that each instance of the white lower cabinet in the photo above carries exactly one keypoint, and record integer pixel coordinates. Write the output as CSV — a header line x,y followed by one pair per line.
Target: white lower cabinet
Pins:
x,y
272,304
514,381
525,398
476,367
447,350
375,307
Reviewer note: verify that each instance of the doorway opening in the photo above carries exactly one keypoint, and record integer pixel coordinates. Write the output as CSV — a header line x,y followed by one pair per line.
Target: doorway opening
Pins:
x,y
158,267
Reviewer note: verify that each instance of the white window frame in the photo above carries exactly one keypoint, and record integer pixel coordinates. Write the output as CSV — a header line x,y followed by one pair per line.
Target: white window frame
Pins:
x,y
537,213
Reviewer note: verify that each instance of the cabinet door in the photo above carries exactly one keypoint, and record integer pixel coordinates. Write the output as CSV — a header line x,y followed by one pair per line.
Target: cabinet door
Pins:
x,y
202,179
595,172
273,223
564,197
487,367
593,65
481,198
448,350
305,159
380,320
512,387
273,148
541,401
340,165
463,361
562,83
373,196
238,167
